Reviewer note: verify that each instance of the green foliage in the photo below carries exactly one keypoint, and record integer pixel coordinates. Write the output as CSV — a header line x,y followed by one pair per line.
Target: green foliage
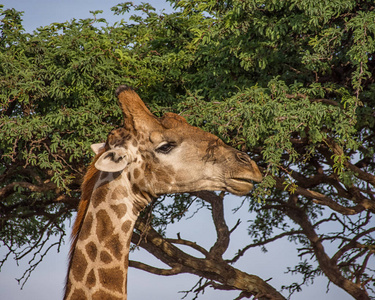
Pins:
x,y
289,82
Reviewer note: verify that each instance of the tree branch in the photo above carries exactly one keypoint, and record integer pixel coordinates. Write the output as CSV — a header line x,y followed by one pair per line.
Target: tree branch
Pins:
x,y
9,189
216,270
321,199
177,269
328,266
336,149
352,244
241,252
193,245
222,231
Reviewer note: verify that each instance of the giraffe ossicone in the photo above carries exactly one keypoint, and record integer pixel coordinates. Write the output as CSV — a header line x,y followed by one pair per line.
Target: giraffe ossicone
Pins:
x,y
145,158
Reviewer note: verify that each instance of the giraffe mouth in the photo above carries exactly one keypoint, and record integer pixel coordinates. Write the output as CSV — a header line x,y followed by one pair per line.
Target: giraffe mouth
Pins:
x,y
240,186
245,181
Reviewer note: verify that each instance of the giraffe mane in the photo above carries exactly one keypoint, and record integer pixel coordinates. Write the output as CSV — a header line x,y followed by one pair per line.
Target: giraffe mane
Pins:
x,y
87,188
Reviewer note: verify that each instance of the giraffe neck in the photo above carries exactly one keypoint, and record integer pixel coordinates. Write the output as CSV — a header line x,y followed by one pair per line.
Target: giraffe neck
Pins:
x,y
99,260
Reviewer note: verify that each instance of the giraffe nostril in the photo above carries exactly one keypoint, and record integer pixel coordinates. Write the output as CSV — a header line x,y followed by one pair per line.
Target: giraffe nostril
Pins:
x,y
243,157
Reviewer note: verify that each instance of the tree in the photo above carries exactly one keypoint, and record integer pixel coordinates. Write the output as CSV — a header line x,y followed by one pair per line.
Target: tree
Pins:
x,y
289,82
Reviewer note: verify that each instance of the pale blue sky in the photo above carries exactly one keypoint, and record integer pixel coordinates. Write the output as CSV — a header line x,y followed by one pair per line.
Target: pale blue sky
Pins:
x,y
44,12
48,280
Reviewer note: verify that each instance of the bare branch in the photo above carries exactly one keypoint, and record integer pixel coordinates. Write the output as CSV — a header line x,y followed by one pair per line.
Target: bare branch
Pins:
x,y
177,269
241,252
353,244
238,223
32,266
327,265
321,199
222,231
361,270
193,245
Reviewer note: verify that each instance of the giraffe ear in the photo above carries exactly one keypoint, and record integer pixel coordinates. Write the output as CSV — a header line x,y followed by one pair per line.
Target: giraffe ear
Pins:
x,y
114,160
97,147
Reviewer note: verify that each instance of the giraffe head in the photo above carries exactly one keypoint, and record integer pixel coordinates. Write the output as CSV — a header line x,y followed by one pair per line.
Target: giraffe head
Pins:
x,y
167,155
147,157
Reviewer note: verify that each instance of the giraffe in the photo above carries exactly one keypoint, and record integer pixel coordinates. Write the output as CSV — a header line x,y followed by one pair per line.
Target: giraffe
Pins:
x,y
145,158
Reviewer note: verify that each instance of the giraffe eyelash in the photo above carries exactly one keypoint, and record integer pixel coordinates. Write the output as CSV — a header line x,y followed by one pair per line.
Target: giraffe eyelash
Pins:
x,y
165,148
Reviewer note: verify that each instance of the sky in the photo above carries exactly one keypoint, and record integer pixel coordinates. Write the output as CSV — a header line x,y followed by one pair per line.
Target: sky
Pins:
x,y
47,281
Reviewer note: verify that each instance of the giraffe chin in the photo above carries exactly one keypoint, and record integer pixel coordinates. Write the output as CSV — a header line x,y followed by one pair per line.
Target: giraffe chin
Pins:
x,y
238,186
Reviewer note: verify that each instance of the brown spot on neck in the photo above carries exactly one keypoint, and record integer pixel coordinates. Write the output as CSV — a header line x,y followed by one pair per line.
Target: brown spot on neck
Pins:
x,y
119,193
86,227
100,194
79,265
114,245
78,294
112,279
119,209
91,250
91,279
105,257
127,226
104,226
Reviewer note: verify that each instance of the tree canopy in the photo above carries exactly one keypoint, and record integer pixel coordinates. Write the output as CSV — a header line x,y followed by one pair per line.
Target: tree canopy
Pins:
x,y
289,82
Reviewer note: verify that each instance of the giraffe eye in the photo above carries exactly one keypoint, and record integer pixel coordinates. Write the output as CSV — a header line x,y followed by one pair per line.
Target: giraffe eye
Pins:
x,y
165,148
